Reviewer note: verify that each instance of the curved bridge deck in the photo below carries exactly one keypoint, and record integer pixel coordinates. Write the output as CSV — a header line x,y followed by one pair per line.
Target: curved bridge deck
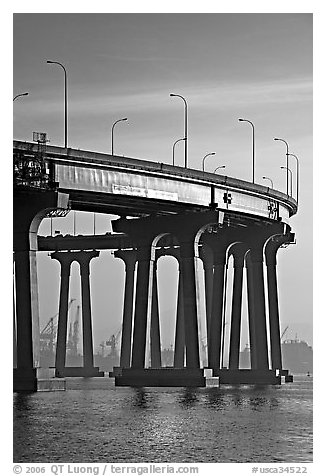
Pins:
x,y
126,186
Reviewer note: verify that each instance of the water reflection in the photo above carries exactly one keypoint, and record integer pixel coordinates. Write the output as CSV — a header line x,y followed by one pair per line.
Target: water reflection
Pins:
x,y
140,399
188,398
23,402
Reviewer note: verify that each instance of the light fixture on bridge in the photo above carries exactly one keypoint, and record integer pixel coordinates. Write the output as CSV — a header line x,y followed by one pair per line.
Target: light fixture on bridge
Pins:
x,y
253,147
287,162
186,126
271,181
112,129
66,101
19,95
175,143
219,167
203,162
289,170
297,161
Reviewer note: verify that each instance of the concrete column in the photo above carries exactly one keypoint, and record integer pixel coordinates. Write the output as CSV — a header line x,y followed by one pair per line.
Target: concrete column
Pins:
x,y
179,343
27,347
257,315
14,347
251,317
155,324
215,332
84,262
237,251
143,296
130,258
188,281
29,208
271,249
206,255
65,260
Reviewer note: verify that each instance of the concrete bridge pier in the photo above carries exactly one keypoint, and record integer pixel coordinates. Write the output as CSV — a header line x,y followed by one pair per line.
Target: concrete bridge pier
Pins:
x,y
155,335
145,234
238,251
88,370
30,207
206,255
129,258
271,249
254,258
218,242
257,315
144,285
188,284
179,339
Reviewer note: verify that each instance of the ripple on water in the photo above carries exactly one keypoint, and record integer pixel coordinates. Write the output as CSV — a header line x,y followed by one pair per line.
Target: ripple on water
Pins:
x,y
96,422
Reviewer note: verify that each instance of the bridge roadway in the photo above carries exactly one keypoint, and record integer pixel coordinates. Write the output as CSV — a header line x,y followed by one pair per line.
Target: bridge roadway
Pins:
x,y
183,207
109,184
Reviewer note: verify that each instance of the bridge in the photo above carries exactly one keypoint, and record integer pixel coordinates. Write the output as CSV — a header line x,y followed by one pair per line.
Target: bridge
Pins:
x,y
163,209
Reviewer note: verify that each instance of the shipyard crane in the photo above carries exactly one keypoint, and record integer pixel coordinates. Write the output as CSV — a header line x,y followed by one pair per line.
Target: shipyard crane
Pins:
x,y
283,333
113,342
48,333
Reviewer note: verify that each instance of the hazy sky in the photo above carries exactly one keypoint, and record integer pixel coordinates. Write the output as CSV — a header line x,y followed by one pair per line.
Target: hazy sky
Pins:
x,y
255,66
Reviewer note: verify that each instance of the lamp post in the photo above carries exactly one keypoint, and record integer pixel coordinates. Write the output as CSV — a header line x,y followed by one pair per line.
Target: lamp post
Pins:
x,y
219,167
66,102
186,126
271,181
173,148
211,153
288,170
113,125
297,160
287,162
19,95
253,147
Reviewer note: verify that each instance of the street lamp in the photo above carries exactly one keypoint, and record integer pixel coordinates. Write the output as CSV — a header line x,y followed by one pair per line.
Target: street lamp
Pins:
x,y
186,126
297,160
211,153
219,167
287,162
116,122
66,105
173,148
271,181
19,95
288,170
253,147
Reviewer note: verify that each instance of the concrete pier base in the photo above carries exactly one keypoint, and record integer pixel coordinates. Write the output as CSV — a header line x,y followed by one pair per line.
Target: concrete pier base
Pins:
x,y
37,380
116,372
245,376
79,372
163,377
288,378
